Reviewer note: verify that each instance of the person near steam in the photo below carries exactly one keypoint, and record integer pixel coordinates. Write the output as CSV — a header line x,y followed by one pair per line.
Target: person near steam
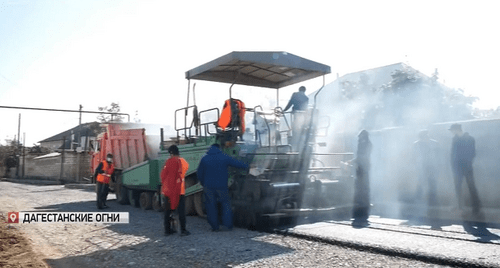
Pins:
x,y
426,163
463,152
361,209
298,102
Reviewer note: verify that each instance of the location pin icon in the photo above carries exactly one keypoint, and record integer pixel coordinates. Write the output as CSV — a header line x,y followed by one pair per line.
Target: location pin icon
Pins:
x,y
13,217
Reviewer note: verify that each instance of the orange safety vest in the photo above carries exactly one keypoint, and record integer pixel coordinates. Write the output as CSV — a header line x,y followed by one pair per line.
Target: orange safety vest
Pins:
x,y
184,167
226,115
108,170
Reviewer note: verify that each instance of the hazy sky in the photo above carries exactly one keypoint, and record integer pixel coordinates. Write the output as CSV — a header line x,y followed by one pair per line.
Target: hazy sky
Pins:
x,y
60,54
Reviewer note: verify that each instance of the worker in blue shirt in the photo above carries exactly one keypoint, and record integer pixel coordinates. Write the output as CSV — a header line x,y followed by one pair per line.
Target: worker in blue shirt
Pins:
x,y
299,101
213,176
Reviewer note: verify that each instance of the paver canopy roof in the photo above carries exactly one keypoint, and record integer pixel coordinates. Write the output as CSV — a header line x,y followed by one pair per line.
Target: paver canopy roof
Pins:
x,y
261,69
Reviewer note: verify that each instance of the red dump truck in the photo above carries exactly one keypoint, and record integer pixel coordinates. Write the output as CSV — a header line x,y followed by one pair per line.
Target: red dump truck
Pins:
x,y
128,147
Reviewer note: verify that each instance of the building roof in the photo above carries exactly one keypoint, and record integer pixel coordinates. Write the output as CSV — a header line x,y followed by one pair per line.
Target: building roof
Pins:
x,y
81,130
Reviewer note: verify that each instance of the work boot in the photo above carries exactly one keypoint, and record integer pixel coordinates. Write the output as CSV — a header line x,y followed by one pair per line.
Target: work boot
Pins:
x,y
360,223
185,232
169,232
436,228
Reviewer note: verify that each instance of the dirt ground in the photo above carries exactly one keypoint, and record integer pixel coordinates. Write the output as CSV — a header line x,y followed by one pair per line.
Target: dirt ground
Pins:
x,y
15,248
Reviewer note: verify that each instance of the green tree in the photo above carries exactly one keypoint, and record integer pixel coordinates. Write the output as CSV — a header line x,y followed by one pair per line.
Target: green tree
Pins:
x,y
410,98
110,114
9,150
413,98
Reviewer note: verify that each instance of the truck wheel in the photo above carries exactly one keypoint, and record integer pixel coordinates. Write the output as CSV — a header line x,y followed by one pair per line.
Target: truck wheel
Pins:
x,y
239,217
199,205
145,200
254,221
133,197
121,192
245,217
190,181
156,202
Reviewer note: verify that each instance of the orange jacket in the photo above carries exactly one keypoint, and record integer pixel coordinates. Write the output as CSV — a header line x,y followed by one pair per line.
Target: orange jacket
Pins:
x,y
226,115
185,167
172,179
108,171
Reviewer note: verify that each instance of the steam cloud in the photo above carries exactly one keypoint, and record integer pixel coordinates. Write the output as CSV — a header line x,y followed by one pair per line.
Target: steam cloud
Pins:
x,y
394,103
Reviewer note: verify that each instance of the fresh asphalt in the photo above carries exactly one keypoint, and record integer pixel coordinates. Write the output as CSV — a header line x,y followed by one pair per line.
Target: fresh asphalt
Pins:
x,y
462,245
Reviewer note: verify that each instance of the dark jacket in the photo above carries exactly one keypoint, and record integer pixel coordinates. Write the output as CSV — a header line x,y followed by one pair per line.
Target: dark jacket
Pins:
x,y
363,154
463,149
299,100
212,171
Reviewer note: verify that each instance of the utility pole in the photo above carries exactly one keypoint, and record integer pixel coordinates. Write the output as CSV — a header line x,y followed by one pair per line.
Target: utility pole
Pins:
x,y
62,160
24,154
80,120
19,131
18,145
79,140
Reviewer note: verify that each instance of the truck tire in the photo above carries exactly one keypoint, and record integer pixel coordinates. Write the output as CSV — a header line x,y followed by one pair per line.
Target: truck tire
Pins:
x,y
146,200
121,192
157,206
190,181
199,204
133,197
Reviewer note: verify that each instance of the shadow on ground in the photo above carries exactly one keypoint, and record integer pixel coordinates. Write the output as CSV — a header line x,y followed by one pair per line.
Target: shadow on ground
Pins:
x,y
142,243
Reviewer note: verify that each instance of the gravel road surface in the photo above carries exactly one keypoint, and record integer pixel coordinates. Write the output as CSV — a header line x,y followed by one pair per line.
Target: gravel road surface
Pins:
x,y
141,242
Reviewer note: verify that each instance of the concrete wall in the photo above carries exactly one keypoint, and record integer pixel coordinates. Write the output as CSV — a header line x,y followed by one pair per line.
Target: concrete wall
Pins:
x,y
393,175
75,167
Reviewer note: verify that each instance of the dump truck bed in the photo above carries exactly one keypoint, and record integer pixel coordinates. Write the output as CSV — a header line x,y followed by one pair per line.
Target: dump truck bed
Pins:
x,y
128,147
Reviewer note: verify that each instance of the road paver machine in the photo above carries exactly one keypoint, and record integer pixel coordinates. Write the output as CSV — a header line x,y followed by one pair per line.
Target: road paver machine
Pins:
x,y
283,181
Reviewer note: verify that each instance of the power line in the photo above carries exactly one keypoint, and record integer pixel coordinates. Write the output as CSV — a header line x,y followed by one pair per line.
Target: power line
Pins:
x,y
61,110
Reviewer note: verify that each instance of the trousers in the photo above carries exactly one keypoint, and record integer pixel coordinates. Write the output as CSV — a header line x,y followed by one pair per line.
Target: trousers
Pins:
x,y
427,186
463,170
361,210
181,210
102,190
212,199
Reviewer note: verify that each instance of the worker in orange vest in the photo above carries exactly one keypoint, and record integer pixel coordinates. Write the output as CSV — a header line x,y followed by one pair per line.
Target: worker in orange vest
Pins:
x,y
174,190
104,172
233,116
